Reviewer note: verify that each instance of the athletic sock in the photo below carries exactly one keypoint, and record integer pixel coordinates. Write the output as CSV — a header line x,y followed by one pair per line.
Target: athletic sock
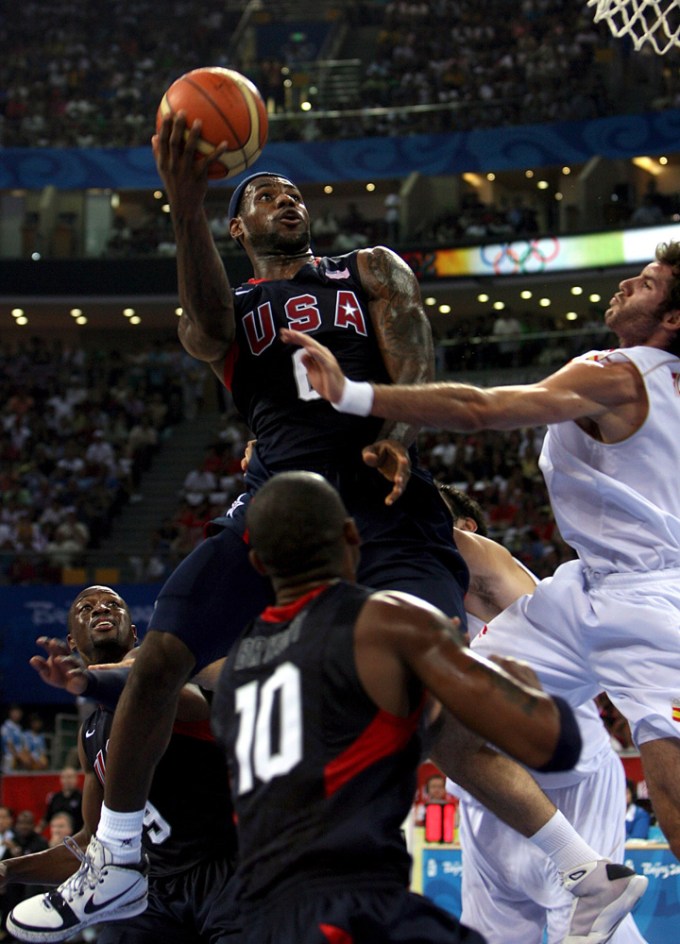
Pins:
x,y
121,833
561,843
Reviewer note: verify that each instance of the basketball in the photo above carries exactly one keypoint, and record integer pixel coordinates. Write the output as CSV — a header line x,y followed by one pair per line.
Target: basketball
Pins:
x,y
230,108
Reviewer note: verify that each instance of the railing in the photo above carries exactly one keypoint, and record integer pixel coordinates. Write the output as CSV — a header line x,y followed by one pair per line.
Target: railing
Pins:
x,y
371,121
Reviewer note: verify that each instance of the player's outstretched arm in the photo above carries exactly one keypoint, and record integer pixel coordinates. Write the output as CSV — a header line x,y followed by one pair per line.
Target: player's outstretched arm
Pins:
x,y
611,395
104,683
398,636
206,326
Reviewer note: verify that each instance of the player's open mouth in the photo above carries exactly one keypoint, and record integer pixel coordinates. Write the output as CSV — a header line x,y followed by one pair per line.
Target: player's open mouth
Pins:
x,y
104,624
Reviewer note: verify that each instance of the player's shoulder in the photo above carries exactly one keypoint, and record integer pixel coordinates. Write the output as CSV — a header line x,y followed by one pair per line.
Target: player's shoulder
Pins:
x,y
395,604
340,268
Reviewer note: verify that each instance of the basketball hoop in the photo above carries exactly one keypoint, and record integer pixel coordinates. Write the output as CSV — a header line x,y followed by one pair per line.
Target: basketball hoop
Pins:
x,y
652,22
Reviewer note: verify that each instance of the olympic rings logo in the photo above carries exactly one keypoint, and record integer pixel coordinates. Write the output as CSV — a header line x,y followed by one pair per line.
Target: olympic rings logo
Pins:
x,y
524,256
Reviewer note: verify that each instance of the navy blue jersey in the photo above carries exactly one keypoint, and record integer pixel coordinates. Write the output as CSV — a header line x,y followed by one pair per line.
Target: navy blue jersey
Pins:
x,y
406,546
322,779
188,817
295,428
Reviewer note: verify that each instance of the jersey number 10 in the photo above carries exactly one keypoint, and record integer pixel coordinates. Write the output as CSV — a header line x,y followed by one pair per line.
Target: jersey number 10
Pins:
x,y
260,751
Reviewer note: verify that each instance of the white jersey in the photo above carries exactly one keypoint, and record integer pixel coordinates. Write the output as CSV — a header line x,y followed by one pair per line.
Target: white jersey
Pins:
x,y
618,504
511,892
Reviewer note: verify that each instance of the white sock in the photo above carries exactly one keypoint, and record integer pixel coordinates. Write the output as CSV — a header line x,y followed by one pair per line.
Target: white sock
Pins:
x,y
561,843
121,833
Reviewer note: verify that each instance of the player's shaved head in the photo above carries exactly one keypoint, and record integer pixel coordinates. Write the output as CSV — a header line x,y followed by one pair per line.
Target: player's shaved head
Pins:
x,y
296,524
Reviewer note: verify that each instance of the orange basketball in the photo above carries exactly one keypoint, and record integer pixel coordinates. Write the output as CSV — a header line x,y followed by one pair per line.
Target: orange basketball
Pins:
x,y
231,109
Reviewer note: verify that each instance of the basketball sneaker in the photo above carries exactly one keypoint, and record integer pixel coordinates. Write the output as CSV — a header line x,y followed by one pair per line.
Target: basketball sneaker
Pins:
x,y
605,893
99,890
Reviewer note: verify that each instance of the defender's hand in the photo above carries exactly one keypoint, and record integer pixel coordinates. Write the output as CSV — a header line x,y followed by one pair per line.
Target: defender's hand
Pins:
x,y
323,370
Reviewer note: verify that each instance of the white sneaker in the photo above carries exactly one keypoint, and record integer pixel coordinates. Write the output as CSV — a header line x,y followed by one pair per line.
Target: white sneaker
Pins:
x,y
98,890
605,893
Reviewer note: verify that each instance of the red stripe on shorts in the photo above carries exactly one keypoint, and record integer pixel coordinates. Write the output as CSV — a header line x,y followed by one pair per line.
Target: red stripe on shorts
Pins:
x,y
335,935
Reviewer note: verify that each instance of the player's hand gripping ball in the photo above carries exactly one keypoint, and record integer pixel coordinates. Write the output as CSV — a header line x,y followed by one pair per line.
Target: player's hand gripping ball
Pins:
x,y
230,108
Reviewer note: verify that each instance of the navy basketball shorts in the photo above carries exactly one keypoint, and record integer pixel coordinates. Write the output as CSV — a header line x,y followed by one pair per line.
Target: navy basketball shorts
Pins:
x,y
353,913
194,907
215,591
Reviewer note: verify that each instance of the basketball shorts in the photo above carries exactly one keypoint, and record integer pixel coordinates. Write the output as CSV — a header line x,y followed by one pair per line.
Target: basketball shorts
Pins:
x,y
585,633
359,914
194,907
511,891
214,592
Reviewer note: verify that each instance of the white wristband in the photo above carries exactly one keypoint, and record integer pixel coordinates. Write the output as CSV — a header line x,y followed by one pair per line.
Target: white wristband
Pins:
x,y
357,398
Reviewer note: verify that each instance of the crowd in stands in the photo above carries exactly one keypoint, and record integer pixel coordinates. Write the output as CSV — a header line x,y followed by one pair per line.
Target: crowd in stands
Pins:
x,y
23,748
207,491
44,826
78,429
94,75
497,64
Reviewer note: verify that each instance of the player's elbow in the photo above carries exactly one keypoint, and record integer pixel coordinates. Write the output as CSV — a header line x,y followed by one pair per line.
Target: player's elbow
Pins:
x,y
202,345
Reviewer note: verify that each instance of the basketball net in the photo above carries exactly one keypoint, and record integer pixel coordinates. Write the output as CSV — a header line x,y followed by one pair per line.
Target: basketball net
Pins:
x,y
652,22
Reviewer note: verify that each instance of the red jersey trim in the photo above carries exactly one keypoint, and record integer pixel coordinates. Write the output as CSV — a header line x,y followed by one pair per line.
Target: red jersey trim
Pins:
x,y
229,365
385,735
280,614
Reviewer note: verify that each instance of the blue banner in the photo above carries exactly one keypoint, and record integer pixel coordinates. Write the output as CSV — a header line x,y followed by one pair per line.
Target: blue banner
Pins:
x,y
488,149
657,915
29,612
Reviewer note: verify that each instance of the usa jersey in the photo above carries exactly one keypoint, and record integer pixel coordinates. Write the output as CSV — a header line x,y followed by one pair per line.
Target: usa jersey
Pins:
x,y
322,779
188,817
618,504
295,428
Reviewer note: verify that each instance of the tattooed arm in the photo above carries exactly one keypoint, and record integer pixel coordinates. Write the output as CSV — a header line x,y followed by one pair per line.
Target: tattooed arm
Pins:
x,y
400,323
398,640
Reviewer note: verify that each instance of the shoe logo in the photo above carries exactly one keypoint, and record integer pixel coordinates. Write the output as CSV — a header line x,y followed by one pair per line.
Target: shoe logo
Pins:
x,y
91,908
88,734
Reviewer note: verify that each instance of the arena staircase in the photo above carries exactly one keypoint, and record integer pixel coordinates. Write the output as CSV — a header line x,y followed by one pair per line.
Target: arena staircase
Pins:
x,y
159,498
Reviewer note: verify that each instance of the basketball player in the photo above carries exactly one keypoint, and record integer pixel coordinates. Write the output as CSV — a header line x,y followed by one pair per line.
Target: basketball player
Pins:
x,y
609,459
518,904
189,837
367,305
321,708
